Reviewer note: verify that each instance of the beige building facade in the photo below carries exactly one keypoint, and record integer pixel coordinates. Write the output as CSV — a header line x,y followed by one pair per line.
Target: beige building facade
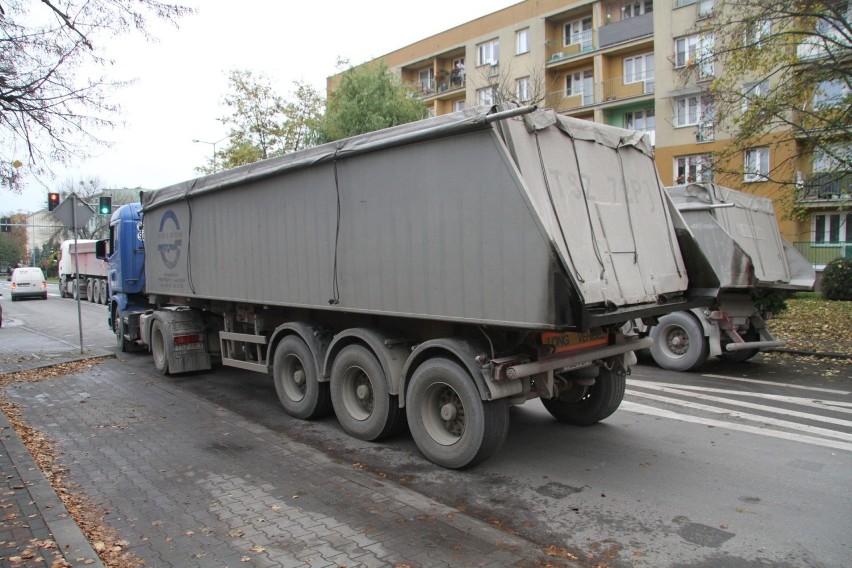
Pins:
x,y
615,62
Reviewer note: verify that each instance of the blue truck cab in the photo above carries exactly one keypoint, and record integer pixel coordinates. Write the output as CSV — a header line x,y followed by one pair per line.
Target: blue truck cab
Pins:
x,y
124,250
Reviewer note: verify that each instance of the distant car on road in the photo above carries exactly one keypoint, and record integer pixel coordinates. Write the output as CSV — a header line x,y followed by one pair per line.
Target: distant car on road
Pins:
x,y
28,282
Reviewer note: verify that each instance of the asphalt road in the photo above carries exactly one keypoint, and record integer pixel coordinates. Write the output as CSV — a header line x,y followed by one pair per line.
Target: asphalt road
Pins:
x,y
738,465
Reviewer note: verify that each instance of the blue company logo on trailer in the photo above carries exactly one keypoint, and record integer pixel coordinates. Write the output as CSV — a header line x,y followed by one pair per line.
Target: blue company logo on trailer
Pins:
x,y
170,238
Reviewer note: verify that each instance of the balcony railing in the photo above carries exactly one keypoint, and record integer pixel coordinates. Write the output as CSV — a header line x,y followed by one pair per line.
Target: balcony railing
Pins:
x,y
821,253
445,81
616,88
828,185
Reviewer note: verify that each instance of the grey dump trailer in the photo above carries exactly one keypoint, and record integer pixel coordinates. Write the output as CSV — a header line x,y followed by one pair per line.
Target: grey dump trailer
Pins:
x,y
437,272
738,234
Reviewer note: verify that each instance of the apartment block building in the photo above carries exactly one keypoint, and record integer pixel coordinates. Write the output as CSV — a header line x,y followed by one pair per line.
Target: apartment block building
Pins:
x,y
617,62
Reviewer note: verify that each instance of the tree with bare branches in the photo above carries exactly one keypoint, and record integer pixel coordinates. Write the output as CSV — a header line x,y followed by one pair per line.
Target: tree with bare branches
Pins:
x,y
50,103
779,71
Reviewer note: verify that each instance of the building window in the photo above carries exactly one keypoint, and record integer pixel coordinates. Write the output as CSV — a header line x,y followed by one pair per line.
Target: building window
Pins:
x,y
638,69
522,89
832,228
830,93
636,8
693,169
486,96
756,164
427,79
578,32
643,121
522,41
757,31
488,53
832,158
581,84
457,75
695,49
752,91
459,105
705,8
692,110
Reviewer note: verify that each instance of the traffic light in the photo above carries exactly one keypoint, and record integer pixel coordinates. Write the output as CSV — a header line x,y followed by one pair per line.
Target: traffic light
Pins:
x,y
105,205
5,225
52,201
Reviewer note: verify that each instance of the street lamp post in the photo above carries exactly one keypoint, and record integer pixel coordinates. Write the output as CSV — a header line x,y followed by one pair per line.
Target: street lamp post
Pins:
x,y
214,148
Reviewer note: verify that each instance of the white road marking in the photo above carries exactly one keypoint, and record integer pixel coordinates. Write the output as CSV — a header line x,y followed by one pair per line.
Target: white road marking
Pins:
x,y
745,416
652,411
775,384
776,397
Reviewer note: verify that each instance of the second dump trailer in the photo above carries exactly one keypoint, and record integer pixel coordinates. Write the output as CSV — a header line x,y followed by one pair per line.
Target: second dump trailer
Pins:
x,y
437,272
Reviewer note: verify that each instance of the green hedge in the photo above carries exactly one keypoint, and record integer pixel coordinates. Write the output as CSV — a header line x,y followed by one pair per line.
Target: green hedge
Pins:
x,y
836,281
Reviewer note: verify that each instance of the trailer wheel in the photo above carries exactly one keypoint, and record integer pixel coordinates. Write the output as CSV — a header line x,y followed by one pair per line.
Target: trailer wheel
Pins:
x,y
158,348
297,382
89,290
103,289
75,293
118,327
360,396
587,405
451,425
679,342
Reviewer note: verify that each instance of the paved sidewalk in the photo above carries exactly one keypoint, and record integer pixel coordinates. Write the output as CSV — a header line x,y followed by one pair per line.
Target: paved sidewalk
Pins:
x,y
190,484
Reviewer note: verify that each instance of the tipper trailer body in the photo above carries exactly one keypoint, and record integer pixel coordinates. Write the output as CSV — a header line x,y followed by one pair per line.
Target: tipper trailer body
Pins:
x,y
739,235
92,278
439,271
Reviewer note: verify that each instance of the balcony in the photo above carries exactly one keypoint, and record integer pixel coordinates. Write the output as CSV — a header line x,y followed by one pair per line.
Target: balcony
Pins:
x,y
445,83
616,89
581,44
827,186
626,30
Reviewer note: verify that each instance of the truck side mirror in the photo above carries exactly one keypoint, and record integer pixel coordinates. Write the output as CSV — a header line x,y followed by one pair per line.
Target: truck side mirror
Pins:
x,y
102,250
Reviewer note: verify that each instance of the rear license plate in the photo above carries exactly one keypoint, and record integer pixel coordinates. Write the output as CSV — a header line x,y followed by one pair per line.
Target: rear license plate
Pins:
x,y
571,341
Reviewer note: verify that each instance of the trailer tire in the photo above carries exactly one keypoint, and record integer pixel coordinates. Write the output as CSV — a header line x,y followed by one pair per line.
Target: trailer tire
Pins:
x,y
360,395
89,290
158,348
679,342
118,327
587,405
451,425
294,373
103,289
75,293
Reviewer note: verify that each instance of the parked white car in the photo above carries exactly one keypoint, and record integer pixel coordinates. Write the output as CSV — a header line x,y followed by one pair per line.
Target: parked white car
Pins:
x,y
28,282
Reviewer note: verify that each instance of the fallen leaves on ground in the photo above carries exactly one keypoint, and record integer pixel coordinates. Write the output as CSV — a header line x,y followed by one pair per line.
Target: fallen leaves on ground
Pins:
x,y
111,550
813,325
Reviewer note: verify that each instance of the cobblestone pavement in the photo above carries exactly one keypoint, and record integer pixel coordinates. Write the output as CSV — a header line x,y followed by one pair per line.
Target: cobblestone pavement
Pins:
x,y
190,484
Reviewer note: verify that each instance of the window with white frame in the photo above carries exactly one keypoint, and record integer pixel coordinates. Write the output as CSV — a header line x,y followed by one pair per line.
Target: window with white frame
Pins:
x,y
832,227
693,169
696,49
578,32
756,164
581,83
488,53
522,89
643,120
486,96
752,91
693,109
639,69
636,8
522,41
831,93
427,79
757,31
459,105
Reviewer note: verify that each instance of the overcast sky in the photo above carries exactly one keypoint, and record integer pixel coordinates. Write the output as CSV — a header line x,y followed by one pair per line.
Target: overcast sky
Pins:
x,y
180,81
